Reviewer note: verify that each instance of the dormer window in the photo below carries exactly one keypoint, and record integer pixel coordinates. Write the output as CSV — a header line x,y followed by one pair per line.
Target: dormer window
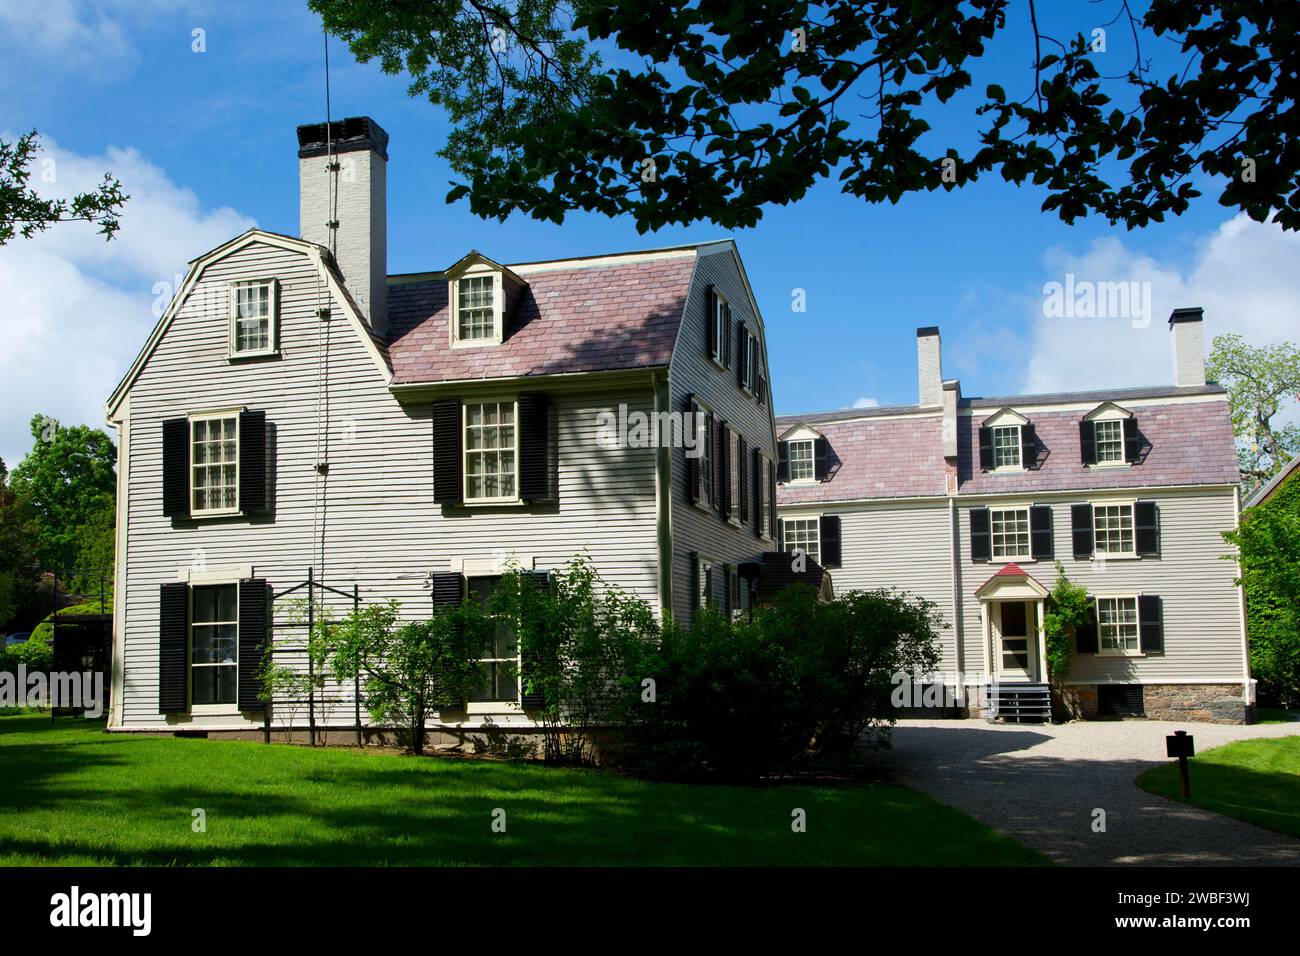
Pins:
x,y
252,318
476,309
1108,436
803,456
481,295
1110,441
1007,442
801,460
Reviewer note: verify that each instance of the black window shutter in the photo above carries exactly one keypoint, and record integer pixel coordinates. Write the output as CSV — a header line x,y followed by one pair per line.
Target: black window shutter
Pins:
x,y
694,574
780,535
829,537
534,446
252,463
986,449
1028,445
176,467
741,466
446,451
1131,440
252,641
712,341
692,454
1146,523
771,492
447,589
756,490
782,461
980,539
1088,443
1081,530
821,458
173,643
1085,635
1151,626
742,356
1040,532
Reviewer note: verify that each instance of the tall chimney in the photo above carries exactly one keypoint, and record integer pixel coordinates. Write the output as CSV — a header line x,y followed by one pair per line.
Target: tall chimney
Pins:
x,y
343,205
1189,346
928,365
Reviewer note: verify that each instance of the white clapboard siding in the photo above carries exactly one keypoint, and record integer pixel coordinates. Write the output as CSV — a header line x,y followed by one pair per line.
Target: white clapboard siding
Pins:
x,y
375,518
693,373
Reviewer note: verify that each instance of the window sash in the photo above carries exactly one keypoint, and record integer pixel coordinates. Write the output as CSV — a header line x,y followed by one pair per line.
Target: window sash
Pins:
x,y
214,464
702,418
1009,529
500,666
804,534
250,318
719,327
1006,446
1117,624
800,454
491,451
1109,438
751,360
475,308
733,479
214,644
766,479
1112,529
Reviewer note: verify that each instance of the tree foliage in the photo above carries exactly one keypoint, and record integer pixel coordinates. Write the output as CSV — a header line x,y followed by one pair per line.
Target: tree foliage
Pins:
x,y
68,477
1262,381
1268,540
24,212
679,112
19,565
1068,608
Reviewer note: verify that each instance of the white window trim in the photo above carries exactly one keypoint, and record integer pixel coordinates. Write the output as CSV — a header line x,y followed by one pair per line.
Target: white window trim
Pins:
x,y
704,501
706,595
768,505
720,331
812,460
209,710
272,319
465,451
1131,504
1019,466
817,533
189,455
1027,556
749,358
1137,617
483,707
498,309
734,481
1110,415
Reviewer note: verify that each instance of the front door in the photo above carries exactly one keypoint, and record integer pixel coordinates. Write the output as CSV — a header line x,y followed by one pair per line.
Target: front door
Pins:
x,y
1015,640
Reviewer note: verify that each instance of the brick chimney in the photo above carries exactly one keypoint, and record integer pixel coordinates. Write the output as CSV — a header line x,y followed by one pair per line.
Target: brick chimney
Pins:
x,y
1189,346
343,205
928,365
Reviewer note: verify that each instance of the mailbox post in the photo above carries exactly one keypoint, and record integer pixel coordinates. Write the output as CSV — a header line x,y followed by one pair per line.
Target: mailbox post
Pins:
x,y
1181,745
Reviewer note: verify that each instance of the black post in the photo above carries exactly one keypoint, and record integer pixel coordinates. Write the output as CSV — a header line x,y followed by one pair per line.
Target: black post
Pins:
x,y
311,669
1182,746
356,678
54,634
270,657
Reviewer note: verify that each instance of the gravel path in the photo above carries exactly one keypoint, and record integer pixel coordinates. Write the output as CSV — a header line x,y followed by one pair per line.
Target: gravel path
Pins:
x,y
1041,783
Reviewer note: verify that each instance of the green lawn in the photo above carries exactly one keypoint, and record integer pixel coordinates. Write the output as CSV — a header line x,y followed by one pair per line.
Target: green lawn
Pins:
x,y
71,794
1253,780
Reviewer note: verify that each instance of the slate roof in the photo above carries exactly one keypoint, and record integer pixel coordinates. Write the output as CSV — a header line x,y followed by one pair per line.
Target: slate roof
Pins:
x,y
609,315
778,574
894,452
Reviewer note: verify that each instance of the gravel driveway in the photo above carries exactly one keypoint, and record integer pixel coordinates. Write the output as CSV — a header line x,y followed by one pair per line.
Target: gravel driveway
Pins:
x,y
1041,783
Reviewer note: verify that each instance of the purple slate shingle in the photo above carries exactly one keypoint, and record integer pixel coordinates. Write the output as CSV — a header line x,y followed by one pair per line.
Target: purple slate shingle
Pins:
x,y
593,318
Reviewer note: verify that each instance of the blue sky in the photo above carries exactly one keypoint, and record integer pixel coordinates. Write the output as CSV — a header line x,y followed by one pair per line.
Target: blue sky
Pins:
x,y
206,143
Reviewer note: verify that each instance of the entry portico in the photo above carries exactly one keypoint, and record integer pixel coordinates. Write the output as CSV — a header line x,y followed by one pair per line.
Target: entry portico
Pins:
x,y
1014,644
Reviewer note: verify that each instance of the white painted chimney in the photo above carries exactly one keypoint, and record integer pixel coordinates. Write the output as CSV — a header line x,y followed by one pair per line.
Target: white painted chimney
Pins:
x,y
928,365
1189,346
343,205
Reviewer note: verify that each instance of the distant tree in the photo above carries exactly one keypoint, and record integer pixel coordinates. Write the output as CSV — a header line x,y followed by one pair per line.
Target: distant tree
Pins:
x,y
19,567
1261,382
68,478
675,112
23,212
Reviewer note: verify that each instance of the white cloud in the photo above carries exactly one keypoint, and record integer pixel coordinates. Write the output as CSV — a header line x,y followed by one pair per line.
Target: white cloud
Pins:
x,y
77,308
90,35
1244,275
866,403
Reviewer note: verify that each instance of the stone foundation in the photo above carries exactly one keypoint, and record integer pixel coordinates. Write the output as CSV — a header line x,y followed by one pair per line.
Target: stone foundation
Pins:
x,y
1204,703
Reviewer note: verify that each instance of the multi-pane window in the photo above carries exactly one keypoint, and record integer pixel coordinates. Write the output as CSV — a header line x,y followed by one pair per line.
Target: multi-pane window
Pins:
x,y
702,422
766,465
1110,440
801,459
733,477
1006,446
705,578
250,318
499,665
1112,527
214,644
751,361
214,465
803,534
1010,528
1117,623
490,460
721,327
475,314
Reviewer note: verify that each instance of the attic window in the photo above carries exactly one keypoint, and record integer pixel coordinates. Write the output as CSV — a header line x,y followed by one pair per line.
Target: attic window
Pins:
x,y
1006,446
252,318
475,309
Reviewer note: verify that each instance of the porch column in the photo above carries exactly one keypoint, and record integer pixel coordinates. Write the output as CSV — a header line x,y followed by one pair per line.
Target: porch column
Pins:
x,y
1040,606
